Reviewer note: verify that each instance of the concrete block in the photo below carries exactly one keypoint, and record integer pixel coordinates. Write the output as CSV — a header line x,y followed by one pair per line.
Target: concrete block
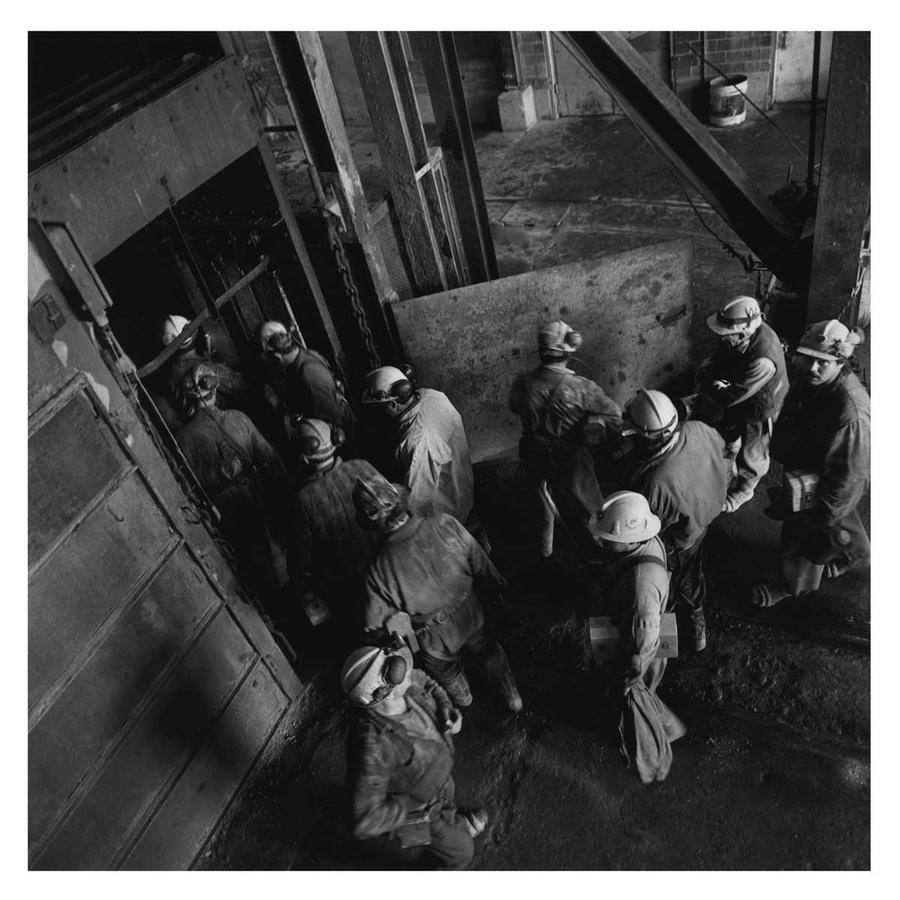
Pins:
x,y
517,109
634,310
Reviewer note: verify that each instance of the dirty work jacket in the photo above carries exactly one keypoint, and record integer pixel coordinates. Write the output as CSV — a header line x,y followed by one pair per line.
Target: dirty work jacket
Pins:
x,y
638,593
312,390
685,486
327,542
226,451
246,480
757,375
555,404
428,565
826,430
432,457
393,770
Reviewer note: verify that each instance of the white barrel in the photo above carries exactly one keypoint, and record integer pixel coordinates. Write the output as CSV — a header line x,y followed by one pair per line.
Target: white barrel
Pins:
x,y
727,105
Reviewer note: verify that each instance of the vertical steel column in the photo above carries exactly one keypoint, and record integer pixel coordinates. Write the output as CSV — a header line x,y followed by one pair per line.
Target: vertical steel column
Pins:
x,y
372,57
438,54
843,177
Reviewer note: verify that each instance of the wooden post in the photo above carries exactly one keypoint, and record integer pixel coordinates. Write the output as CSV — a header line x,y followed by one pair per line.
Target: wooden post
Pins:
x,y
438,53
315,106
843,177
372,57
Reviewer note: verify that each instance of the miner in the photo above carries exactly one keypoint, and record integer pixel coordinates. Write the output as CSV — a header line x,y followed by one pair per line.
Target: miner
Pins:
x,y
823,433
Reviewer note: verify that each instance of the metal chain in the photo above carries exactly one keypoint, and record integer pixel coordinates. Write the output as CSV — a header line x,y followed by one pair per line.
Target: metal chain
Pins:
x,y
356,307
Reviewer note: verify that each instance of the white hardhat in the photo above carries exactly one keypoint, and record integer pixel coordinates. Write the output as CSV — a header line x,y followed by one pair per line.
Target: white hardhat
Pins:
x,y
829,340
274,337
370,674
625,517
740,315
173,326
557,337
387,384
649,414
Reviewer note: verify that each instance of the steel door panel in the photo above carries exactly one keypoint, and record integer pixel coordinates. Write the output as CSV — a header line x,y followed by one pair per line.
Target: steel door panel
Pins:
x,y
131,657
150,757
634,310
86,578
579,93
181,825
70,462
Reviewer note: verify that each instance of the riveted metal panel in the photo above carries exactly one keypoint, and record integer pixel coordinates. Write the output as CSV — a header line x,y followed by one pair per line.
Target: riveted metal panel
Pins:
x,y
186,817
87,716
83,582
122,178
70,462
122,794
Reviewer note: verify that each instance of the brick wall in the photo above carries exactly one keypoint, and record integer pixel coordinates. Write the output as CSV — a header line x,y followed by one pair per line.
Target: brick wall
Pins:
x,y
750,53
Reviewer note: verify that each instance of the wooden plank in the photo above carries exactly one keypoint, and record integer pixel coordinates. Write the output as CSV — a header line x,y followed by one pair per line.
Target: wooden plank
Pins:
x,y
70,461
88,716
634,310
844,181
153,754
379,83
190,812
437,51
85,580
345,166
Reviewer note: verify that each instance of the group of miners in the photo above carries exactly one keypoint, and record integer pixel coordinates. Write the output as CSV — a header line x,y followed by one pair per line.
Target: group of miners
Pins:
x,y
373,523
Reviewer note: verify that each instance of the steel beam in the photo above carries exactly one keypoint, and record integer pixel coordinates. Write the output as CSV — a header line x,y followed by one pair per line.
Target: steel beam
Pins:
x,y
437,51
843,178
384,100
668,124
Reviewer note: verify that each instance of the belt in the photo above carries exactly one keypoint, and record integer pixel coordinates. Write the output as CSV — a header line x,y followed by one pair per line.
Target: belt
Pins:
x,y
441,616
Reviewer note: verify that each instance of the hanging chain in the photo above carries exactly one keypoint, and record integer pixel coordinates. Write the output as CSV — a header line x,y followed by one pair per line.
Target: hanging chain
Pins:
x,y
356,307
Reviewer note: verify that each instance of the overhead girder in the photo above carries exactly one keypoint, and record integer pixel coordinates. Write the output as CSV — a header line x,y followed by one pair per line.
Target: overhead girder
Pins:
x,y
673,130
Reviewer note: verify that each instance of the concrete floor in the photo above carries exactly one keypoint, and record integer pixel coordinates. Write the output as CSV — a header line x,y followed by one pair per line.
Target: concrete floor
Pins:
x,y
774,770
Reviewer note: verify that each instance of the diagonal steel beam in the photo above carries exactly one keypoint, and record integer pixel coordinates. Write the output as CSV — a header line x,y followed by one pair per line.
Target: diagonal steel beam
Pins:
x,y
675,132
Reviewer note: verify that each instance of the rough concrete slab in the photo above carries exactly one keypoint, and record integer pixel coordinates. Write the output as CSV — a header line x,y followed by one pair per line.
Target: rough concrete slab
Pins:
x,y
497,209
526,214
632,308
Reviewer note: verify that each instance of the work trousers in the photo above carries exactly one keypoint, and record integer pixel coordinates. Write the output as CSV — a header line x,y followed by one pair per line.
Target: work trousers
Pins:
x,y
807,545
750,443
463,627
688,584
451,842
568,471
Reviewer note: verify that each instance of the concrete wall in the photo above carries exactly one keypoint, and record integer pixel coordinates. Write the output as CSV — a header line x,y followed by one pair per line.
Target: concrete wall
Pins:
x,y
633,308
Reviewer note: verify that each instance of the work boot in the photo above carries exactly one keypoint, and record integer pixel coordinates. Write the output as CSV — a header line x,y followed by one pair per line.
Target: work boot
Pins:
x,y
736,499
458,690
698,629
498,670
476,820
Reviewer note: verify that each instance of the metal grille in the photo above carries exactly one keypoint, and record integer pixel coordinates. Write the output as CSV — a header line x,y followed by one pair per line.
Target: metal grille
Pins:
x,y
383,219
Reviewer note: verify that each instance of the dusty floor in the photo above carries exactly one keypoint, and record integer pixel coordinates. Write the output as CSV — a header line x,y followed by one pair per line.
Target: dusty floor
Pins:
x,y
774,770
